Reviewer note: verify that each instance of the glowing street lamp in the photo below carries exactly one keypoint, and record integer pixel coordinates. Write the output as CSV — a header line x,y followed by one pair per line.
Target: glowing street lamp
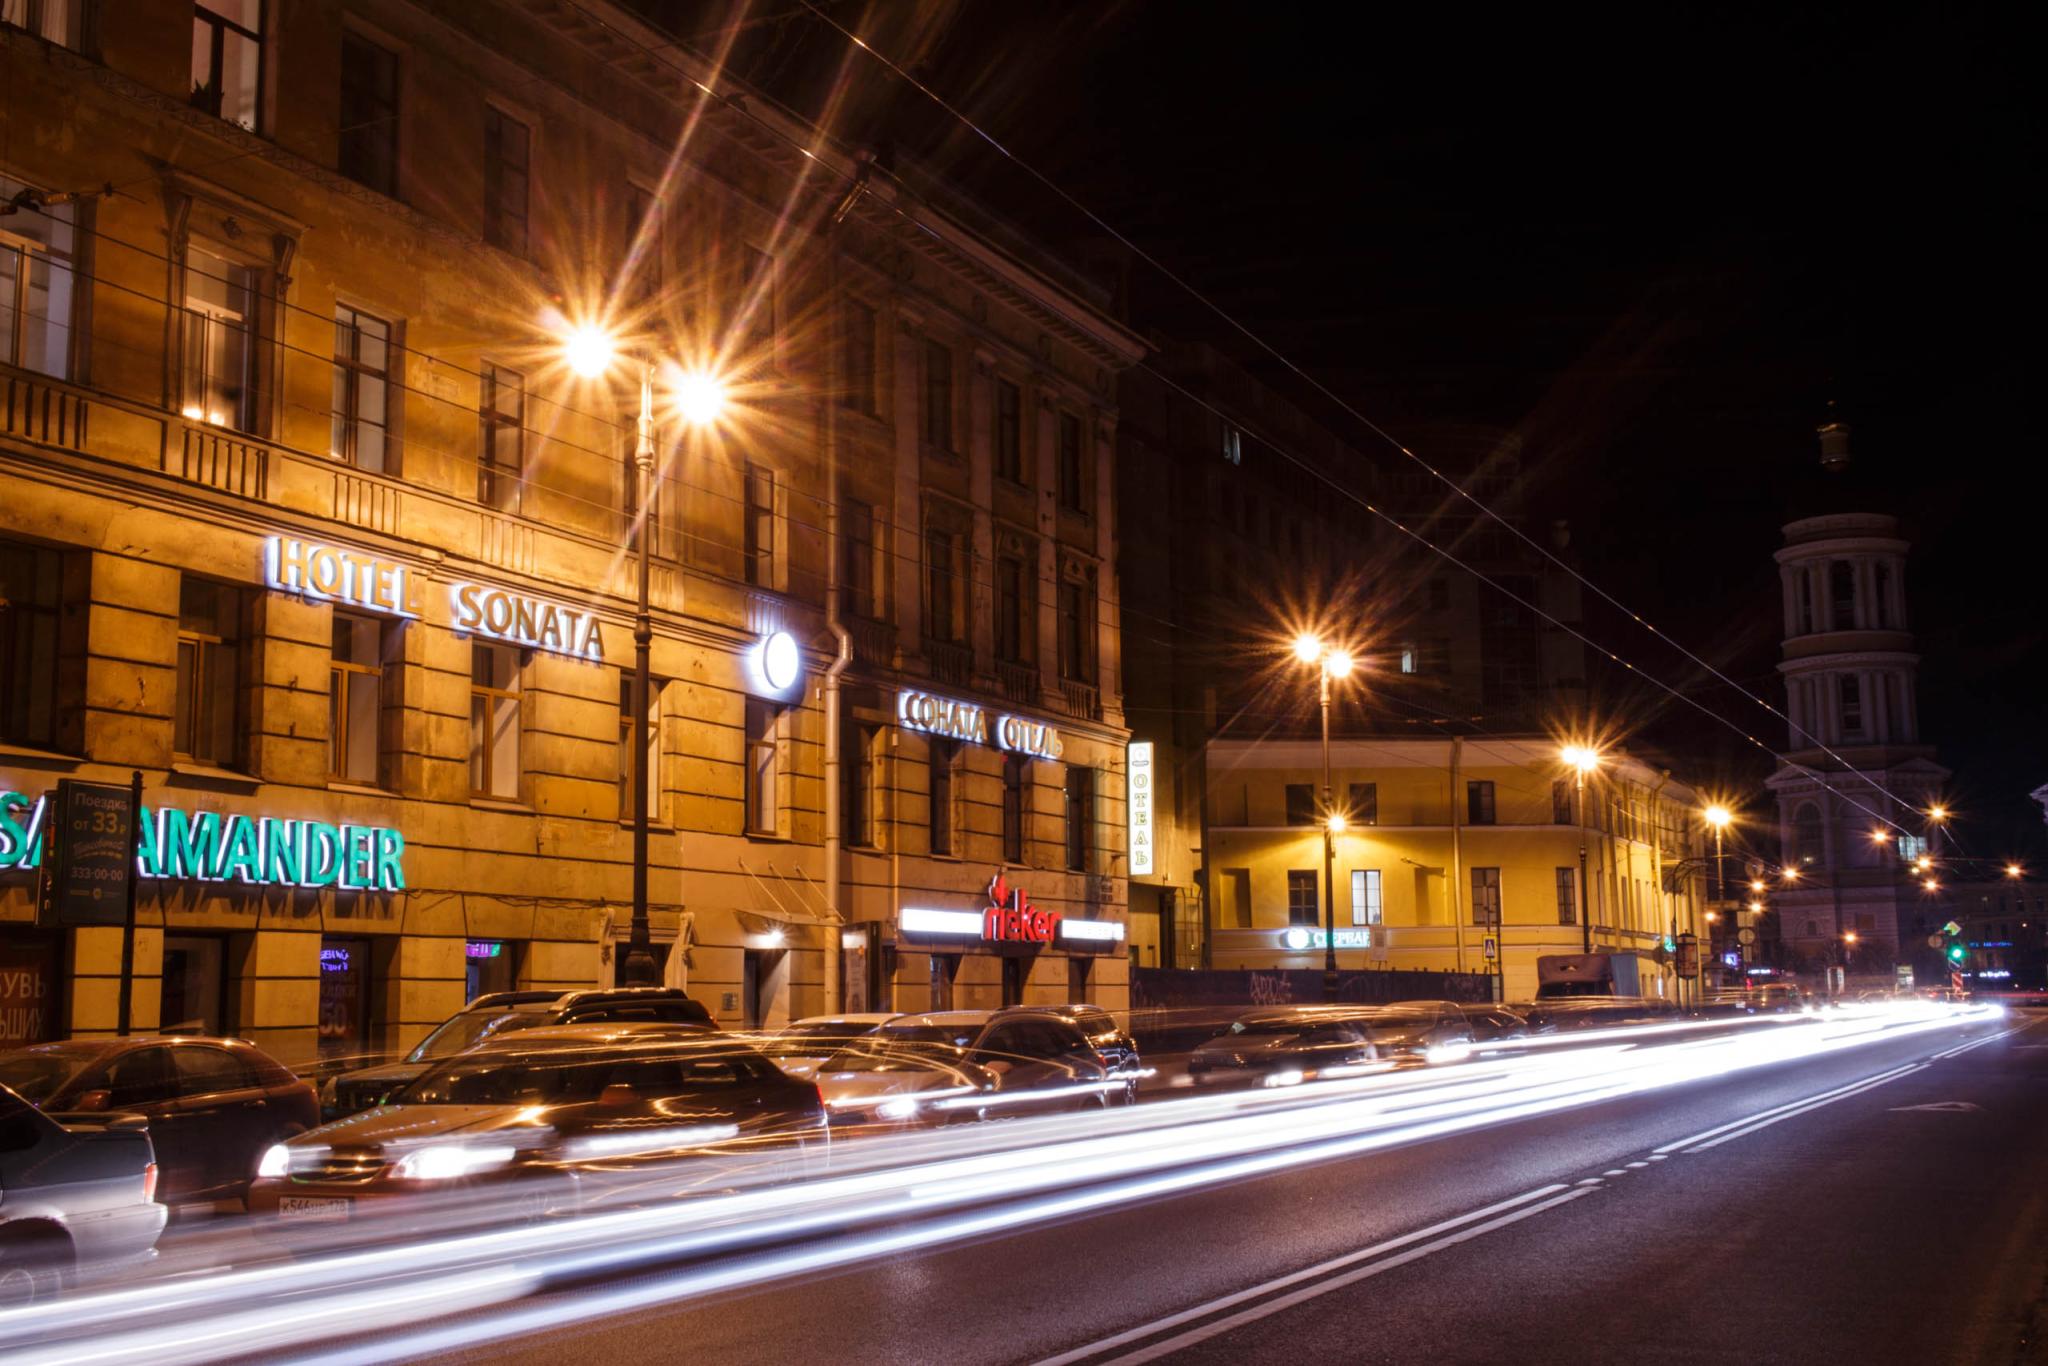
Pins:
x,y
592,352
1720,818
2014,870
1330,662
1582,760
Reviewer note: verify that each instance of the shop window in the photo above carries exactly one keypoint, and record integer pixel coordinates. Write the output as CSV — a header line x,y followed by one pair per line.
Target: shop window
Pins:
x,y
501,471
1009,431
945,968
1301,804
31,980
1073,464
227,60
936,426
1479,802
361,433
760,526
857,356
489,965
368,148
508,150
37,283
764,767
1302,908
494,687
208,727
344,997
1364,804
1080,818
219,340
360,683
1366,907
944,758
1486,896
1016,805
31,594
652,752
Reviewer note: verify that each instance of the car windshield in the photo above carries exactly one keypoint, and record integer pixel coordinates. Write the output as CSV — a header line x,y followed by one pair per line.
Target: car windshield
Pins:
x,y
466,1029
36,1074
492,1079
820,1035
915,1048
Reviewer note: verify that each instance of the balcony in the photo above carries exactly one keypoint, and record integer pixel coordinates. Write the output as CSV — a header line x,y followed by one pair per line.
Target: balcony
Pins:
x,y
874,642
1018,682
951,662
1082,699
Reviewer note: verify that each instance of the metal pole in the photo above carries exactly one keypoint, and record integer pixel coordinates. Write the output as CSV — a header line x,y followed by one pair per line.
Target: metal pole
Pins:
x,y
123,1016
1329,854
639,964
1585,909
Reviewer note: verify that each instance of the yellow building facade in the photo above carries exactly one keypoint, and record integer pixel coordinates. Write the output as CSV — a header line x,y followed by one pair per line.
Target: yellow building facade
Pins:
x,y
303,518
1458,855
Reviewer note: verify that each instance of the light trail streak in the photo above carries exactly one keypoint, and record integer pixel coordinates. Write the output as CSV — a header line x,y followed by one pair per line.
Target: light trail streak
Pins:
x,y
1032,1167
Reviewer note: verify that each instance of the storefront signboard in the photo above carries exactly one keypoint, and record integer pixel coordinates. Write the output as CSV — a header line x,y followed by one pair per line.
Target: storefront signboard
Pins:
x,y
1296,938
1009,918
969,721
1140,805
94,830
215,846
518,619
327,573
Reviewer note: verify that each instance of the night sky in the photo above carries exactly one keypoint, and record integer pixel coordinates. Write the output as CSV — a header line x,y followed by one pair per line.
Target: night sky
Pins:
x,y
1656,245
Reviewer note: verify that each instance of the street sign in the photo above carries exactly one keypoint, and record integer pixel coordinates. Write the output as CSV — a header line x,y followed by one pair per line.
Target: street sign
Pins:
x,y
1745,935
1933,941
1491,947
90,860
1951,928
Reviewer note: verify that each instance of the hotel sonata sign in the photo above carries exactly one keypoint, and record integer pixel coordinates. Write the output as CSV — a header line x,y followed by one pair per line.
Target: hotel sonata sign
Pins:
x,y
536,623
969,721
328,573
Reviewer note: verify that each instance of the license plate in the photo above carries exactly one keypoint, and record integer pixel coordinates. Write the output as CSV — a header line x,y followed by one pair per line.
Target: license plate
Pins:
x,y
308,1209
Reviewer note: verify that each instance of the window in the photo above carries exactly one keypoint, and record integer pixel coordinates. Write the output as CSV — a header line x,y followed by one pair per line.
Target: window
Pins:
x,y
944,754
857,356
1364,804
764,766
31,592
653,750
1010,613
1411,660
493,720
57,21
355,699
367,152
857,548
1233,445
942,615
1842,595
227,60
507,170
1016,805
1849,689
1486,896
1301,897
1884,614
36,284
1365,896
362,390
1479,803
1072,467
757,308
501,472
1301,804
1009,431
859,768
204,1071
1802,602
1080,817
1561,801
1077,630
207,727
1567,896
937,424
219,351
760,526
1806,833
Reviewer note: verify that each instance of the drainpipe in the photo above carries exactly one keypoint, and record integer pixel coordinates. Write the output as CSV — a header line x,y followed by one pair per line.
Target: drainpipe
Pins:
x,y
1454,894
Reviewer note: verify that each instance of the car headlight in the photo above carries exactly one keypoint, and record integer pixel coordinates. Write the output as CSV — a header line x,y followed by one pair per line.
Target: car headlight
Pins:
x,y
276,1161
1288,1077
901,1107
447,1161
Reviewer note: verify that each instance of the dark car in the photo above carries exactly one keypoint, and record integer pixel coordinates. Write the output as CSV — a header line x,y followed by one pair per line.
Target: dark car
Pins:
x,y
550,1123
962,1065
1564,1014
1284,1046
1112,1043
486,1017
212,1105
76,1193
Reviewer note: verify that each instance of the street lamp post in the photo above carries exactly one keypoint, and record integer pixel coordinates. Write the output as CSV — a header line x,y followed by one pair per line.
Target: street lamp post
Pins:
x,y
1583,760
1329,664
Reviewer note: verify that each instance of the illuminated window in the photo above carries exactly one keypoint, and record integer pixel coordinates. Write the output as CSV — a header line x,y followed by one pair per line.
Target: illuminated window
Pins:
x,y
227,60
1302,907
208,723
508,150
367,152
494,688
1365,896
1486,896
36,284
361,432
1233,445
219,322
1410,659
56,21
355,698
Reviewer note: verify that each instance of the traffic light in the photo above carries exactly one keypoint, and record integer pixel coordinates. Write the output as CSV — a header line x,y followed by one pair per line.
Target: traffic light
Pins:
x,y
1956,953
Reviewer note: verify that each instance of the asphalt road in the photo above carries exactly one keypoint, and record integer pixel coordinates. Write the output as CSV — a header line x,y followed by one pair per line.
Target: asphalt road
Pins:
x,y
1885,1204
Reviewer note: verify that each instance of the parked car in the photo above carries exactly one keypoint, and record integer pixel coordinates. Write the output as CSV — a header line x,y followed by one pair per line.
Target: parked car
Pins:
x,y
550,1120
488,1016
800,1048
965,1064
212,1105
1291,1044
1565,1014
1113,1044
1493,1024
77,1192
1764,998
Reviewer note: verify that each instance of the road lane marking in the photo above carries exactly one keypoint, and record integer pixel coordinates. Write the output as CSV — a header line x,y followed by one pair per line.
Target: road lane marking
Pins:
x,y
1224,1325
1295,1278
1979,1043
1870,1085
1939,1107
1674,1146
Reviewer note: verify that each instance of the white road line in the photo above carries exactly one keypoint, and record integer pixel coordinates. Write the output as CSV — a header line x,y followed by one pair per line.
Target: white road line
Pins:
x,y
1224,1325
1294,1278
1677,1144
1979,1043
1870,1085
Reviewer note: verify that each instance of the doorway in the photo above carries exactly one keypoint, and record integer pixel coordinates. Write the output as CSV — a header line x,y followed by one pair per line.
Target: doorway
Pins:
x,y
1015,973
195,995
762,975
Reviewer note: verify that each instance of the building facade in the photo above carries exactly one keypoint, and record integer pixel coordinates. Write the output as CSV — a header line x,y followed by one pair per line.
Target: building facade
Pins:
x,y
303,518
1458,855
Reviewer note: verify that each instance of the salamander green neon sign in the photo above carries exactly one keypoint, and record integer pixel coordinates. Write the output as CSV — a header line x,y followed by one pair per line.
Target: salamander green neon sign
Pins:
x,y
214,846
